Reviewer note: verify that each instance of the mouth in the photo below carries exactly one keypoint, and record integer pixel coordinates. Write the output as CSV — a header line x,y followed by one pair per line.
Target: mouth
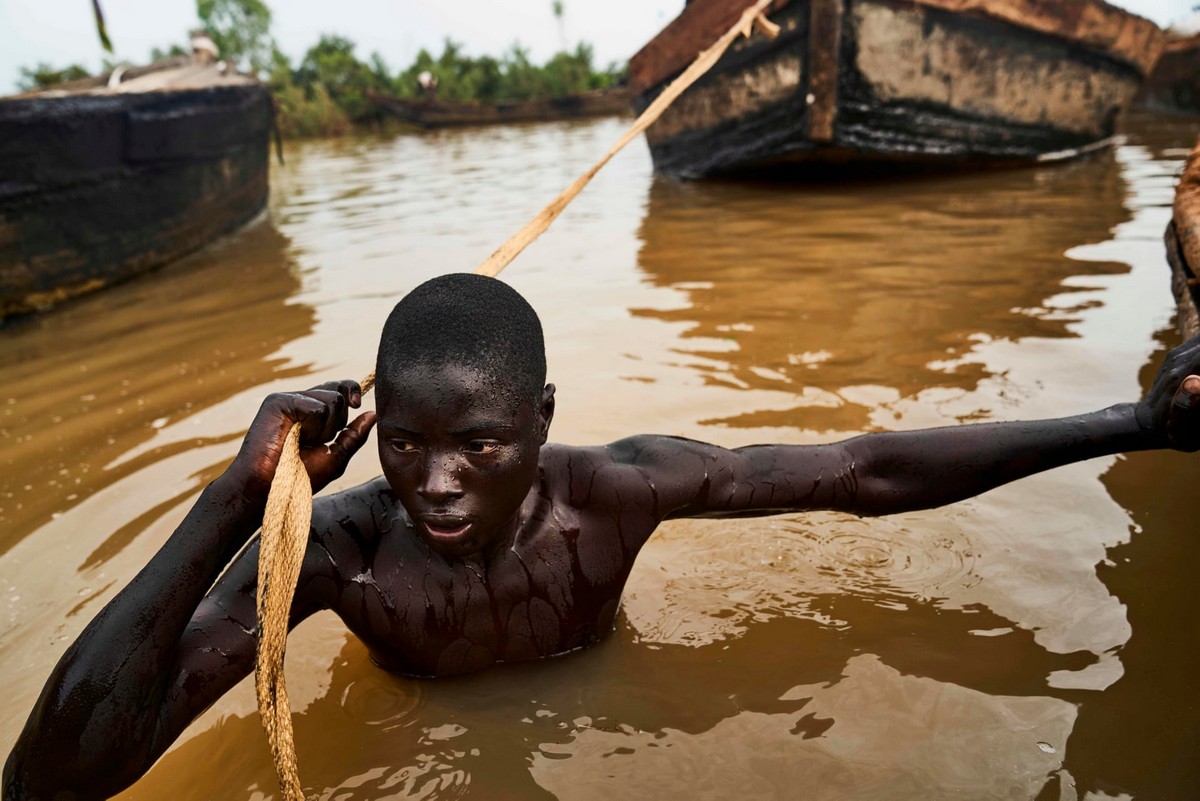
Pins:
x,y
446,529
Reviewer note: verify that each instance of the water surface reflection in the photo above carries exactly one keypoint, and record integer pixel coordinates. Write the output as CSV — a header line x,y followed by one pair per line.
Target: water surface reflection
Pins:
x,y
1000,648
860,293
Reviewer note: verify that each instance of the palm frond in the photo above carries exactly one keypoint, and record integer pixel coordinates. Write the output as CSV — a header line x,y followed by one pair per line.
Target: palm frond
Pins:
x,y
100,29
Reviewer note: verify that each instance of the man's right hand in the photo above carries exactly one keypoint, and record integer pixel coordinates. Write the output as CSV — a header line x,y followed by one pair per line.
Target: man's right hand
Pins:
x,y
327,442
1170,412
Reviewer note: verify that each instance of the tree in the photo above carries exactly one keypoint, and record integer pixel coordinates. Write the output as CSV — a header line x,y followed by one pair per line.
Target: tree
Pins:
x,y
557,7
379,69
44,76
331,64
157,53
524,80
568,73
241,30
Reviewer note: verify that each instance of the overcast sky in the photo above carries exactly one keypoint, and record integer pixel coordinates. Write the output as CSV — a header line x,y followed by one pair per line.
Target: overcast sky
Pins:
x,y
61,31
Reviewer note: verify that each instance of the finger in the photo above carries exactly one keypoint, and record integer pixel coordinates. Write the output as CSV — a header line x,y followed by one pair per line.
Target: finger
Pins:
x,y
1188,395
264,441
295,408
301,409
352,437
350,390
335,420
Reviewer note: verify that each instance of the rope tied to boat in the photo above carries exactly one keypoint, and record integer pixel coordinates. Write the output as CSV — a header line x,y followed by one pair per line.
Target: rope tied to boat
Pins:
x,y
288,513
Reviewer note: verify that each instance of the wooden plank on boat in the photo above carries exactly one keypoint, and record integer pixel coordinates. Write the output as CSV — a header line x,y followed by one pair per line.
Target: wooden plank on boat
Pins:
x,y
677,45
824,60
1094,25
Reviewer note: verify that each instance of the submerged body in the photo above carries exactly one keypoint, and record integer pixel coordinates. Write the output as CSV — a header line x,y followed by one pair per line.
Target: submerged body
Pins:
x,y
480,543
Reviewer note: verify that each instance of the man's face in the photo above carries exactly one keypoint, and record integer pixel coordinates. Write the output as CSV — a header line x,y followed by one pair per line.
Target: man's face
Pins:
x,y
460,449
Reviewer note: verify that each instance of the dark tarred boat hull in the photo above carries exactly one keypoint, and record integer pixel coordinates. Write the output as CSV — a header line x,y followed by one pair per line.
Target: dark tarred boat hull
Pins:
x,y
96,189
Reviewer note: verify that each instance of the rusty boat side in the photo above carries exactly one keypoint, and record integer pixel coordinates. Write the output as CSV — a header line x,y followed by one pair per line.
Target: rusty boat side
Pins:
x,y
868,81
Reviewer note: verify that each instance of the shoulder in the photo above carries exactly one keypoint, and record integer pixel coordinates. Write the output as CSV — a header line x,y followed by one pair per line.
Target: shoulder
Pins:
x,y
651,450
363,505
634,470
353,517
633,452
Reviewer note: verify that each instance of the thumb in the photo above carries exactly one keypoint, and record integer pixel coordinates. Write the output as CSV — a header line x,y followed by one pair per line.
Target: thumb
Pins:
x,y
352,437
1183,427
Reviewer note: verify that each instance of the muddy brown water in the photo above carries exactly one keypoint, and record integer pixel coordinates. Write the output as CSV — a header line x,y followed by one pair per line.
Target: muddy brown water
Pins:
x,y
1037,642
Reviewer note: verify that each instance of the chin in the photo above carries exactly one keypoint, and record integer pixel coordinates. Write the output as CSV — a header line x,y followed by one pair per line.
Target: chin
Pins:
x,y
455,550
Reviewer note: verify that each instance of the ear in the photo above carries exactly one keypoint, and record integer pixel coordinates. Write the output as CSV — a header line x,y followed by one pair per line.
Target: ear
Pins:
x,y
546,413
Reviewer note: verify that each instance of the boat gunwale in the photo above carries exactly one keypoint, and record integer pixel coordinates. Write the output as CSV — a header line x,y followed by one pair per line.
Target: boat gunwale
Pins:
x,y
1094,25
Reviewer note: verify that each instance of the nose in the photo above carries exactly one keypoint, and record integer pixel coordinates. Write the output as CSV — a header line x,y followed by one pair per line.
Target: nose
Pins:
x,y
439,480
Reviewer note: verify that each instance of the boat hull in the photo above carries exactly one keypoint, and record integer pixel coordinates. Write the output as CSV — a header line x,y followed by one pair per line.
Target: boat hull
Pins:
x,y
443,114
865,81
98,188
1183,246
1174,85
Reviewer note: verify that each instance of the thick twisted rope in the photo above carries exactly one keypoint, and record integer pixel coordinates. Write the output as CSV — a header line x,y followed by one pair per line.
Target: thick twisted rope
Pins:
x,y
289,504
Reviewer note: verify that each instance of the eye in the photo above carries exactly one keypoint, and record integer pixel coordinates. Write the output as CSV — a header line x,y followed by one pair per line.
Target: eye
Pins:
x,y
402,446
482,446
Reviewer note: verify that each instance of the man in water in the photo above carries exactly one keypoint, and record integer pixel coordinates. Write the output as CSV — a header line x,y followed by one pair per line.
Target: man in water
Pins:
x,y
480,543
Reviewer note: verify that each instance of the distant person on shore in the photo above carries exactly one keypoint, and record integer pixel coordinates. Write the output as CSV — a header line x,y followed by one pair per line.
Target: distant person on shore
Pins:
x,y
204,50
480,543
428,83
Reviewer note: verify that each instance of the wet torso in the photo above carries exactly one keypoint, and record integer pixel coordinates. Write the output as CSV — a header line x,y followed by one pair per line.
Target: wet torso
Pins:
x,y
553,587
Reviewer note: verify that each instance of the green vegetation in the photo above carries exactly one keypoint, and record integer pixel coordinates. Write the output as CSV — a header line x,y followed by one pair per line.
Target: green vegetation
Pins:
x,y
329,91
511,77
43,76
241,30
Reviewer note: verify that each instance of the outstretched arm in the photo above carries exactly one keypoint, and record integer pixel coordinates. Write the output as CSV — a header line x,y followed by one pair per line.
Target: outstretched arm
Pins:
x,y
166,646
885,473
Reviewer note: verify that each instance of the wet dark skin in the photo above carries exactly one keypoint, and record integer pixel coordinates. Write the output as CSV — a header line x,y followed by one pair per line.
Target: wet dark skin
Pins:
x,y
480,543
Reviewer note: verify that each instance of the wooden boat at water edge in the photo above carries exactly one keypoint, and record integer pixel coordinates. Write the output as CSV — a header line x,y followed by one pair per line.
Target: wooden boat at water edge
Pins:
x,y
105,178
1183,246
1174,84
846,81
442,114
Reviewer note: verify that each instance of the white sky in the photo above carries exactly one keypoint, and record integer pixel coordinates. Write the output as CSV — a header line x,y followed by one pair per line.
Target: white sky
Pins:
x,y
61,31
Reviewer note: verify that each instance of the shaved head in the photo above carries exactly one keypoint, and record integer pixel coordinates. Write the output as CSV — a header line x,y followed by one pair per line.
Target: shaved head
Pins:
x,y
465,320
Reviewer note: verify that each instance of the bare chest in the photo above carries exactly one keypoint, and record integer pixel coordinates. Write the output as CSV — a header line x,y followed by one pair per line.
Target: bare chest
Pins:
x,y
552,592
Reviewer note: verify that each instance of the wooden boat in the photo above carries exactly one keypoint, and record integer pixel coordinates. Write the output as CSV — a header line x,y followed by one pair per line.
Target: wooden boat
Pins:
x,y
105,178
1183,246
985,81
441,114
1174,84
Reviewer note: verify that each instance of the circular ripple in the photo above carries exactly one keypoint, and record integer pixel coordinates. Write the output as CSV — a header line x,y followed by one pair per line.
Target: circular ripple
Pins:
x,y
381,701
921,563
